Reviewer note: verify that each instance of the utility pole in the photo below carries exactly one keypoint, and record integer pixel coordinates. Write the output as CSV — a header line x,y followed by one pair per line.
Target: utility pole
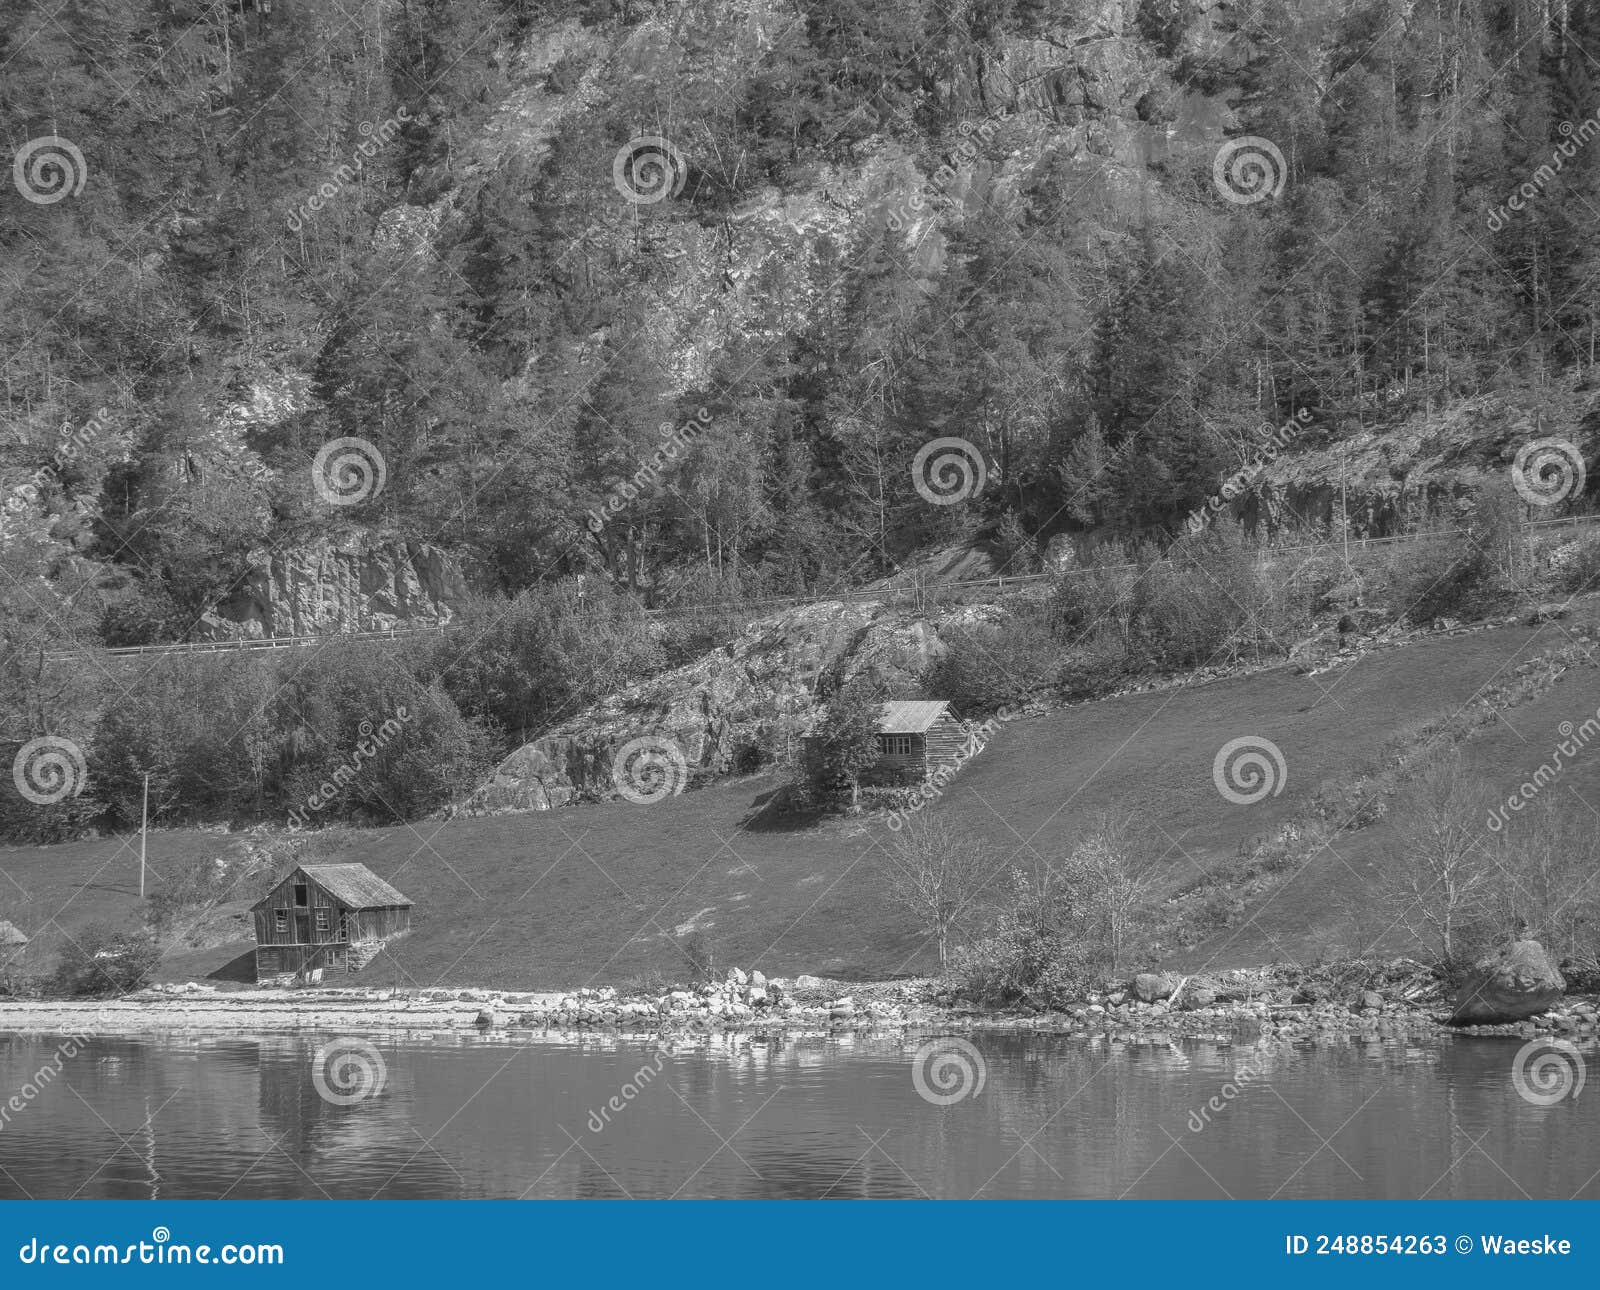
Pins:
x,y
144,831
1344,504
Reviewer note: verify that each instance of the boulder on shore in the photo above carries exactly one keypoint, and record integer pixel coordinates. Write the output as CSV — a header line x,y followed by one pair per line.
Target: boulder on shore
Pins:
x,y
1517,982
1151,987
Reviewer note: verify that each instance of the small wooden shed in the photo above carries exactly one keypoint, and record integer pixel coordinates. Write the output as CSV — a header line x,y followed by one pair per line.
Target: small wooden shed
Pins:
x,y
12,945
914,737
326,917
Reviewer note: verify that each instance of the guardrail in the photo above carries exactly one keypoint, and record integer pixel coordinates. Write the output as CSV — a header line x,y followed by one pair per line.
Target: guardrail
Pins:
x,y
1000,584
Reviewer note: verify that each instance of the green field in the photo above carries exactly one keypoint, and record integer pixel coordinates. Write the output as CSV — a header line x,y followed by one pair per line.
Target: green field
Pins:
x,y
601,894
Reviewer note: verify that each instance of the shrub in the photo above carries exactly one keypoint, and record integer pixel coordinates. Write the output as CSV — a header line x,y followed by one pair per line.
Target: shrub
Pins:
x,y
1096,665
1030,955
988,667
1580,570
1064,926
1193,604
364,740
1178,608
199,725
845,742
1096,595
1454,574
102,961
1435,579
25,821
546,654
700,956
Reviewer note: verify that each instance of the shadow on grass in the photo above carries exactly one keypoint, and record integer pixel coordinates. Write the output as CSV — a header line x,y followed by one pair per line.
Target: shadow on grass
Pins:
x,y
241,969
781,811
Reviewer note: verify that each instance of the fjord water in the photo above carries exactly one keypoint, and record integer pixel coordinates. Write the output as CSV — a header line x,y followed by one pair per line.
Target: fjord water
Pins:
x,y
744,1116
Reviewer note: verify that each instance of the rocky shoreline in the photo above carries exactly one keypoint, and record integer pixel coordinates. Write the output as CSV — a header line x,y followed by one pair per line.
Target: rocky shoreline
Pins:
x,y
1254,1002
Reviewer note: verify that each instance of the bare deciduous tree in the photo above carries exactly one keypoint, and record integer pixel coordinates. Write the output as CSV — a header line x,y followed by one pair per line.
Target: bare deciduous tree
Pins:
x,y
936,872
1117,884
1549,888
1441,877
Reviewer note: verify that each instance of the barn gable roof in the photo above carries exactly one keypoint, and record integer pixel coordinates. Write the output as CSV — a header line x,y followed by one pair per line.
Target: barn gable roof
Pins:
x,y
354,884
11,934
903,716
911,716
350,884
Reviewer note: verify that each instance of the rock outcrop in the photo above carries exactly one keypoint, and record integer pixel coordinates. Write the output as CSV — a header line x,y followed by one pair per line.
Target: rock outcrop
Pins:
x,y
353,582
1430,463
745,703
1519,981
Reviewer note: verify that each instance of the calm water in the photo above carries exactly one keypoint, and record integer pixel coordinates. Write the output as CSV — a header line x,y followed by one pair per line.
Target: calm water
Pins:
x,y
793,1117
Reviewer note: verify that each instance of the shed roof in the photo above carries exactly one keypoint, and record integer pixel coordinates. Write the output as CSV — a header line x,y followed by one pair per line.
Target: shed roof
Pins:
x,y
11,934
352,884
910,716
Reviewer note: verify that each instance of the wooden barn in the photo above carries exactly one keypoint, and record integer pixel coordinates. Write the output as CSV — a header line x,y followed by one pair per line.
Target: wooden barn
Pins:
x,y
326,917
914,737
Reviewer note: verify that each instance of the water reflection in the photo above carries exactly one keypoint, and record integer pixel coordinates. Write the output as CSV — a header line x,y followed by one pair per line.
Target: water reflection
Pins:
x,y
786,1116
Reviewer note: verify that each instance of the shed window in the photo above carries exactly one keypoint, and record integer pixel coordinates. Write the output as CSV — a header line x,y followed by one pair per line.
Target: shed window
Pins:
x,y
281,919
898,745
322,920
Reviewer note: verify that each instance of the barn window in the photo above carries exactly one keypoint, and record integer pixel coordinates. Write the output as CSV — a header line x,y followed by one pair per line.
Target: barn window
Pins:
x,y
322,920
300,895
898,745
344,926
281,920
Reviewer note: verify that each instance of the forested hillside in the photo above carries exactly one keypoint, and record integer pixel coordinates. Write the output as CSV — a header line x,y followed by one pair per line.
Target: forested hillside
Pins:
x,y
676,296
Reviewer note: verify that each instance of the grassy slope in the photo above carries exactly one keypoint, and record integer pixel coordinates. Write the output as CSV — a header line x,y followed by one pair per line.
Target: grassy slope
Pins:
x,y
1312,913
597,893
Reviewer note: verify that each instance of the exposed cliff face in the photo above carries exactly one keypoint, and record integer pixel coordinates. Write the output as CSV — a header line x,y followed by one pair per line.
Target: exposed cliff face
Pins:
x,y
349,583
1087,98
759,692
1426,464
